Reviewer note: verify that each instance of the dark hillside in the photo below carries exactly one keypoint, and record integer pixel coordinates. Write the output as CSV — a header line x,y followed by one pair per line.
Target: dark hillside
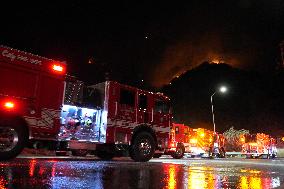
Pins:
x,y
254,101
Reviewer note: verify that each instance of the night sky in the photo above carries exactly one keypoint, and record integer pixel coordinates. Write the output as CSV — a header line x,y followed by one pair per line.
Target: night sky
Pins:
x,y
150,41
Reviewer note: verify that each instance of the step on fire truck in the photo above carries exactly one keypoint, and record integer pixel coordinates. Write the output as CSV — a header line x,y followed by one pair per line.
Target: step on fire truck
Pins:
x,y
194,142
258,145
41,106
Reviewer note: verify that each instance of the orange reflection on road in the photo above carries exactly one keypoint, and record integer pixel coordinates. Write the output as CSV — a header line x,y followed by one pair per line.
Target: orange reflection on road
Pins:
x,y
200,177
172,177
256,180
247,182
3,183
244,182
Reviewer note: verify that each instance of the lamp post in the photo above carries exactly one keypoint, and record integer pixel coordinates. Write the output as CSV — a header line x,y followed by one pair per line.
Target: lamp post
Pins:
x,y
222,89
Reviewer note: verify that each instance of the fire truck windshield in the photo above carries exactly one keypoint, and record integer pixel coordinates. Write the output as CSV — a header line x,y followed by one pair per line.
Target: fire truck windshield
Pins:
x,y
162,106
92,98
78,94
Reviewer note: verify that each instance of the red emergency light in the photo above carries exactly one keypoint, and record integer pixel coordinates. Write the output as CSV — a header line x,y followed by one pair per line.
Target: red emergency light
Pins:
x,y
172,145
57,68
9,105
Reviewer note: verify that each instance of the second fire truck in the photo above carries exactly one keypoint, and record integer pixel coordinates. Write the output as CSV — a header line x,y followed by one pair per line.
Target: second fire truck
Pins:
x,y
258,145
194,142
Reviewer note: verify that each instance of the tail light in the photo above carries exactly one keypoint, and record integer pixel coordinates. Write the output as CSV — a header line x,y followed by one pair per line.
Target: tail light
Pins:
x,y
9,105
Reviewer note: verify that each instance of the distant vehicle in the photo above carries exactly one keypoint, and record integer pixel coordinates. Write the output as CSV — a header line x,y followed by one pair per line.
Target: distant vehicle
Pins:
x,y
205,143
41,106
194,142
258,145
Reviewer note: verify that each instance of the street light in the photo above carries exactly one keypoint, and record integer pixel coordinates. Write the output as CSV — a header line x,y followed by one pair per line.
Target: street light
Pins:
x,y
222,89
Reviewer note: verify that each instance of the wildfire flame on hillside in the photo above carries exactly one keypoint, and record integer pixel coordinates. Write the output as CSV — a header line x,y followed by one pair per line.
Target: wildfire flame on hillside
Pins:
x,y
184,56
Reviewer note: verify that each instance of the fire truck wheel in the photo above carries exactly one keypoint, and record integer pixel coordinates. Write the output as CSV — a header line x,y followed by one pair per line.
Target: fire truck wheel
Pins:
x,y
179,153
81,153
104,155
143,147
13,138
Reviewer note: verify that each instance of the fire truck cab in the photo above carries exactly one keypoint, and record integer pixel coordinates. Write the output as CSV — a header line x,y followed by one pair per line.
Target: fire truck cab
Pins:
x,y
40,104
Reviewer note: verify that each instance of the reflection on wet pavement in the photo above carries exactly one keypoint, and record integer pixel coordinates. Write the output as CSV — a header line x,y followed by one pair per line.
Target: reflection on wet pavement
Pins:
x,y
115,174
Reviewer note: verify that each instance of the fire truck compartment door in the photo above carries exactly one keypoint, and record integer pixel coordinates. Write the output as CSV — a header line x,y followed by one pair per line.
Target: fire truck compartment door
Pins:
x,y
83,124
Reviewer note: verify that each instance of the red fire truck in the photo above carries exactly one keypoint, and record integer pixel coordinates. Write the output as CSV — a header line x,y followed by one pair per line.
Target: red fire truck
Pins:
x,y
258,145
194,142
40,105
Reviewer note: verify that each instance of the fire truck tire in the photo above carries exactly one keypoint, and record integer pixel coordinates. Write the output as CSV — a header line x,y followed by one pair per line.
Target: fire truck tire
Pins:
x,y
15,136
81,153
104,155
143,147
179,153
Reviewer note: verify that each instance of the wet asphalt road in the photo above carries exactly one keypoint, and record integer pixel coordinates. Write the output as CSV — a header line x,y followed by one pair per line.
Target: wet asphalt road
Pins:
x,y
158,173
